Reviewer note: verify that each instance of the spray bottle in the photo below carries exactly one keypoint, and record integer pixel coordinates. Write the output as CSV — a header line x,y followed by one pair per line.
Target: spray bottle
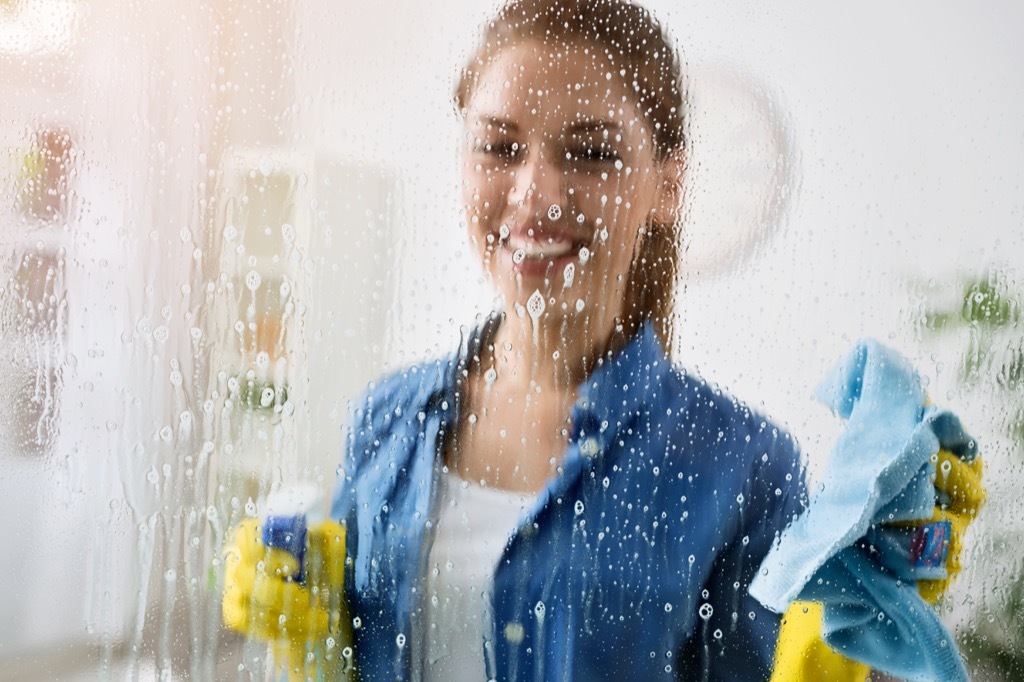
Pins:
x,y
291,513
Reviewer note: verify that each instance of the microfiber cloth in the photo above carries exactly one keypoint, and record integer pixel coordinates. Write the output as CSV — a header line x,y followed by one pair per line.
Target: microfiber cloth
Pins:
x,y
880,470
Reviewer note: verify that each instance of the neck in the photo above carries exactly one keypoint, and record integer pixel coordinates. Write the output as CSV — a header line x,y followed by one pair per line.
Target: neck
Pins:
x,y
551,355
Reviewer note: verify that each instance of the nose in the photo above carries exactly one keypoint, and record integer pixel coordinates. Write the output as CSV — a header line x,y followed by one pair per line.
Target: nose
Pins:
x,y
538,184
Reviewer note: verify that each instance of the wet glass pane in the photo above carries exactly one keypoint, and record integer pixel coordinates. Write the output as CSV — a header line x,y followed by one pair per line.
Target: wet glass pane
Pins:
x,y
521,305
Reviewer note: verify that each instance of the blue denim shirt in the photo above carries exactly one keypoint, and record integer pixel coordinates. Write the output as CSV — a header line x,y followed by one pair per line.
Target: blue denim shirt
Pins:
x,y
633,562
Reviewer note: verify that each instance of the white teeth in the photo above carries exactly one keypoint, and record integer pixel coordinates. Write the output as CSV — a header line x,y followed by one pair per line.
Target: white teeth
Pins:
x,y
534,249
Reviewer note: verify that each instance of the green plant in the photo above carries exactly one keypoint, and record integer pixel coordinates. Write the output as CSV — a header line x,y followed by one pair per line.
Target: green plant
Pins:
x,y
257,394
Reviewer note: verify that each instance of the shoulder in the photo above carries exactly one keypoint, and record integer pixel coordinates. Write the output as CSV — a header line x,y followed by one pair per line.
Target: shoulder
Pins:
x,y
722,428
394,394
703,408
386,420
385,425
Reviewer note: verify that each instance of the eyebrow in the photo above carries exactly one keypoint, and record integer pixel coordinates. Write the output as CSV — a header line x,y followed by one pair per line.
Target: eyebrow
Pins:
x,y
582,126
590,125
501,123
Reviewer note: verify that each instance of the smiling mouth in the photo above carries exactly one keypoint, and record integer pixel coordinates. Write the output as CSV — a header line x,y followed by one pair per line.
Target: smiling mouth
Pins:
x,y
546,249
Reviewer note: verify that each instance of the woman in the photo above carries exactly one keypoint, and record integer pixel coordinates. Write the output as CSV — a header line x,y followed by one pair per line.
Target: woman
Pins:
x,y
557,501
639,502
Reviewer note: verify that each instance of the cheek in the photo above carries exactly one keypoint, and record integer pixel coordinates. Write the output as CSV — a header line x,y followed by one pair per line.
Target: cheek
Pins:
x,y
481,196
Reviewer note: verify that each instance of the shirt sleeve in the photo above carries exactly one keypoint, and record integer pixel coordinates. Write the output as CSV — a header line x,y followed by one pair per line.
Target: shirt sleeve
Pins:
x,y
735,636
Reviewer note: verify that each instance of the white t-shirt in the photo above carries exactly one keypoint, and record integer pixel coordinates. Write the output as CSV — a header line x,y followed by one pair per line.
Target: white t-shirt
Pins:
x,y
473,525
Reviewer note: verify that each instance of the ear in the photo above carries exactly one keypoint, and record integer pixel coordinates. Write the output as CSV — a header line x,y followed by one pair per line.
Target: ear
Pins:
x,y
669,199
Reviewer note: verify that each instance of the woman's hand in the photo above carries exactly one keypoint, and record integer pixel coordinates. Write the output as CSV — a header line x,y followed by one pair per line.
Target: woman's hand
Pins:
x,y
932,547
959,496
263,601
871,543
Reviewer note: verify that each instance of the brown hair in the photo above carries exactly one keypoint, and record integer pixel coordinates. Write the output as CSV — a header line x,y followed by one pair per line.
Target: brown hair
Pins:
x,y
634,41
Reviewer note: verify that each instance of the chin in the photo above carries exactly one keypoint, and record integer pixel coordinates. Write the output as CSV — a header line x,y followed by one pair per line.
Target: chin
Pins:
x,y
545,305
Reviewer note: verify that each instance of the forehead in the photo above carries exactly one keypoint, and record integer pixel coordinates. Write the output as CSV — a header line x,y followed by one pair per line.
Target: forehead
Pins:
x,y
550,86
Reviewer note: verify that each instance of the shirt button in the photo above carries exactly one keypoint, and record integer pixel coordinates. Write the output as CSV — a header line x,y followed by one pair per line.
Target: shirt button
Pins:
x,y
514,632
590,447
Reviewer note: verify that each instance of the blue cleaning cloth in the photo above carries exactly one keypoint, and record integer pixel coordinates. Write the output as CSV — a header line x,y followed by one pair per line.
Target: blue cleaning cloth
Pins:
x,y
837,552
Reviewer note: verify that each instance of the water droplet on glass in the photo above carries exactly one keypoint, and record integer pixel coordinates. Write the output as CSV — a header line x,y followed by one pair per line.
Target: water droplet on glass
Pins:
x,y
705,611
266,165
569,274
554,212
579,507
584,254
518,256
253,280
535,305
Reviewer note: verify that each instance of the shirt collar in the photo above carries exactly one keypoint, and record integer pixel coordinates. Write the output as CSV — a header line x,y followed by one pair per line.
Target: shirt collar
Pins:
x,y
622,382
617,389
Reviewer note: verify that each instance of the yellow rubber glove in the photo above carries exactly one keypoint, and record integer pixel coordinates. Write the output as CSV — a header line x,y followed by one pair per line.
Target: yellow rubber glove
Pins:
x,y
960,497
306,623
801,655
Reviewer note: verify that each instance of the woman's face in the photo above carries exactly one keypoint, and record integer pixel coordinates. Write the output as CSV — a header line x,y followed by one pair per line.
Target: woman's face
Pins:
x,y
559,179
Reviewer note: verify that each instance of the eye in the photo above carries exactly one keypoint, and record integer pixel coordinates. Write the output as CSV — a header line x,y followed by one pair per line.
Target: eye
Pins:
x,y
596,154
503,150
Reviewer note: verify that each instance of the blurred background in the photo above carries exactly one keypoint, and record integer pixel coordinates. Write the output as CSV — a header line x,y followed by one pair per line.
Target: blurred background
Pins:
x,y
220,219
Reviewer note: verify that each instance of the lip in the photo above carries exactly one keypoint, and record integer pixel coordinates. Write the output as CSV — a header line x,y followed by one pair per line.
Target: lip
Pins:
x,y
539,251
